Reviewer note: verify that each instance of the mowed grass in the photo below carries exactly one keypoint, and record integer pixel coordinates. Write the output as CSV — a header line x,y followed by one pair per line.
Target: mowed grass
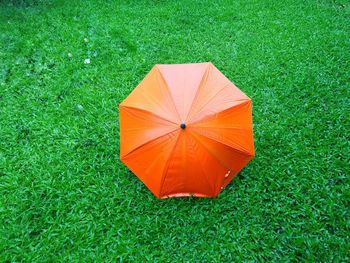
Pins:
x,y
64,194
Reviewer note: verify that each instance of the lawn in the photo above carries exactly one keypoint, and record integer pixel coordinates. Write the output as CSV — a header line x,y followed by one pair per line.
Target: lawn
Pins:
x,y
65,195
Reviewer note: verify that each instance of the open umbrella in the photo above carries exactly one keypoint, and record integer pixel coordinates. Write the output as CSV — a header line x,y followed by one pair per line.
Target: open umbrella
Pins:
x,y
186,130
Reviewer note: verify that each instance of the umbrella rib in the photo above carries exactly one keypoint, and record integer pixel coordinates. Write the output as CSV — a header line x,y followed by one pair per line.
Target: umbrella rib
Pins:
x,y
210,152
241,150
203,81
222,128
169,93
152,99
143,144
214,156
165,172
203,171
204,119
205,104
146,111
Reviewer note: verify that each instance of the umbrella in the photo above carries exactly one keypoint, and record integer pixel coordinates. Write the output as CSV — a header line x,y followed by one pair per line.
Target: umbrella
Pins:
x,y
186,130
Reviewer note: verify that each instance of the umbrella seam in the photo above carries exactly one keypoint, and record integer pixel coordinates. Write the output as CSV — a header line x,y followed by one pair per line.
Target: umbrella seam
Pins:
x,y
167,166
156,115
140,146
243,150
169,93
213,97
205,175
152,99
220,161
242,102
203,82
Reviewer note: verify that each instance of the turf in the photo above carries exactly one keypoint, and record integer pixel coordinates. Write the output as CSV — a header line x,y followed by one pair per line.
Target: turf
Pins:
x,y
64,194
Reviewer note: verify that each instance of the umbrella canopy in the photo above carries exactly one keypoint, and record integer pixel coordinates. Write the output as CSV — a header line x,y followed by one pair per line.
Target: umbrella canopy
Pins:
x,y
186,130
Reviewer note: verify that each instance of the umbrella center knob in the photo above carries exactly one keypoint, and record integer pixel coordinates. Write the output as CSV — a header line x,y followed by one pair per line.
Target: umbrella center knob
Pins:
x,y
183,126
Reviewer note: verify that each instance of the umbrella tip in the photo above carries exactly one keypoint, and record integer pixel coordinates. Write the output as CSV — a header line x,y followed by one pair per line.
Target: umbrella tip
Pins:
x,y
183,126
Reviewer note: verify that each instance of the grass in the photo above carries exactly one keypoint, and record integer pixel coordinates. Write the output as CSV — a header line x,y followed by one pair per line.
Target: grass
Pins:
x,y
64,194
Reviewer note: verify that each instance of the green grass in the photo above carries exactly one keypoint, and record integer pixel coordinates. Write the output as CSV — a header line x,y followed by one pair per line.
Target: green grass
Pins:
x,y
64,194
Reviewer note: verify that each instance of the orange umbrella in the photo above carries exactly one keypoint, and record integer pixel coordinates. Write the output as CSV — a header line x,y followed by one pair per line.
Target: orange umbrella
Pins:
x,y
186,130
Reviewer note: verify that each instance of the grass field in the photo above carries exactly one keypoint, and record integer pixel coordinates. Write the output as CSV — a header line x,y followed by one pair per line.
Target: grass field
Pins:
x,y
64,194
